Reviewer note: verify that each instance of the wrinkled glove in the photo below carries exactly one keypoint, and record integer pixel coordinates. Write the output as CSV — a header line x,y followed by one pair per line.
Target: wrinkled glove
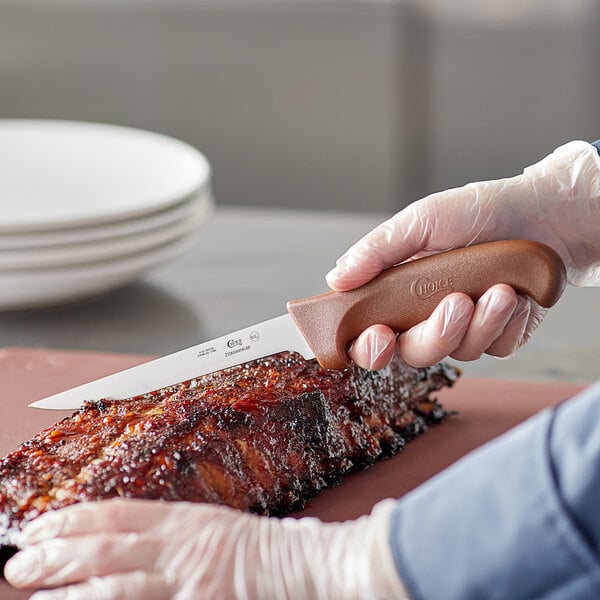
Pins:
x,y
132,549
556,201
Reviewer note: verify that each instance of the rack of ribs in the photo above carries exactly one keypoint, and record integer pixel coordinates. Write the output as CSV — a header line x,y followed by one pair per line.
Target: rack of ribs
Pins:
x,y
262,437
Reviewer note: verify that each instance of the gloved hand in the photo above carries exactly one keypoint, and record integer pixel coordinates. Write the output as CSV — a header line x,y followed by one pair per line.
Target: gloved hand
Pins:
x,y
556,201
132,549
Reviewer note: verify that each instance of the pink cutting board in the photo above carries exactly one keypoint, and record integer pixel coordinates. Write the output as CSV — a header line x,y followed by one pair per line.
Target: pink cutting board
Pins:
x,y
485,409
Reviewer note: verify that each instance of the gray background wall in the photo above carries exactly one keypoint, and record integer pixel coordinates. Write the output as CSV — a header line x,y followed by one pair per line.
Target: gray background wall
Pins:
x,y
362,105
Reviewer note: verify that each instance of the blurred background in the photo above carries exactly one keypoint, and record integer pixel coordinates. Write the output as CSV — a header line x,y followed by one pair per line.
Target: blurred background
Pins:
x,y
362,105
319,118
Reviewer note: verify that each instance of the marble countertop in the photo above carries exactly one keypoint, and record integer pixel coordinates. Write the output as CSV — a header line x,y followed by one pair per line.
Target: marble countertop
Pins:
x,y
246,265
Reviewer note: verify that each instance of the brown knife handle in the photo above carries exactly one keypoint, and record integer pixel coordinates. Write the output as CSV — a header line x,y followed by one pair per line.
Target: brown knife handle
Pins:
x,y
407,294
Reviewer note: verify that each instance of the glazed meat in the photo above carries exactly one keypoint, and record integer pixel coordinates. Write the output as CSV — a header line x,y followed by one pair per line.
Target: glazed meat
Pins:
x,y
262,437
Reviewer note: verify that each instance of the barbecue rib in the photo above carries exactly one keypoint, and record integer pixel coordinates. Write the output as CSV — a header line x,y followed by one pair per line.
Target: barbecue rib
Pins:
x,y
261,437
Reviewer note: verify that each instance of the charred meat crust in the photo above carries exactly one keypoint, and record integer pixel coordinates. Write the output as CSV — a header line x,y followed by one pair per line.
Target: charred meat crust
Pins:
x,y
261,437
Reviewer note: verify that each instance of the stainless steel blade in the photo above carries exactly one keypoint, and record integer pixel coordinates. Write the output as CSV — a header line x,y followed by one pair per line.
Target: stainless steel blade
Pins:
x,y
256,341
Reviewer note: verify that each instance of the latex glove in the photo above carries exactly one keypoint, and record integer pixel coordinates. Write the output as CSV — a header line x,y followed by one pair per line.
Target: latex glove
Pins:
x,y
153,550
556,201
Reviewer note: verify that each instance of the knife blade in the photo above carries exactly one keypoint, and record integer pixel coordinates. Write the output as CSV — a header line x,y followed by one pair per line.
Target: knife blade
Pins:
x,y
323,326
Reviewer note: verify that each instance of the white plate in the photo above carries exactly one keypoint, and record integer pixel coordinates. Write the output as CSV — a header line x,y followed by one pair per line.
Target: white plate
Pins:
x,y
60,174
37,289
108,248
94,233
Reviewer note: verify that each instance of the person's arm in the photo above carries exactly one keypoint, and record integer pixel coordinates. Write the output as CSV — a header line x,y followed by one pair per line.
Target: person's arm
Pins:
x,y
519,518
556,201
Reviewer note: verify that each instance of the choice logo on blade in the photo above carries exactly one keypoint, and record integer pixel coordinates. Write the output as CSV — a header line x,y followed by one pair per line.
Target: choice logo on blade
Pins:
x,y
424,287
233,343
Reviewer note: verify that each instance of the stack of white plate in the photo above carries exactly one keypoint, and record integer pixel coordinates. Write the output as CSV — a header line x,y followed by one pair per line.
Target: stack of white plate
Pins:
x,y
86,207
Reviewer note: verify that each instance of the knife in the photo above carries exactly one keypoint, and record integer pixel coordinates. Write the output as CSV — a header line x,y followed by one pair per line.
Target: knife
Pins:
x,y
323,326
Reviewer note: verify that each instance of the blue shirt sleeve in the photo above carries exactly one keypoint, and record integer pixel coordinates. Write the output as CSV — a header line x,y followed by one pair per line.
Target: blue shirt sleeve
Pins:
x,y
597,144
518,518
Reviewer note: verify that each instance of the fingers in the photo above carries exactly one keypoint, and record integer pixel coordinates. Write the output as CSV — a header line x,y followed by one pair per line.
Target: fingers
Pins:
x,y
117,515
436,338
525,319
68,560
497,324
79,519
374,348
93,540
122,586
513,333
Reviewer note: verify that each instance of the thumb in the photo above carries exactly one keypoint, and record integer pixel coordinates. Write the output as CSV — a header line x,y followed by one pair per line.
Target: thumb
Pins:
x,y
390,243
430,225
450,219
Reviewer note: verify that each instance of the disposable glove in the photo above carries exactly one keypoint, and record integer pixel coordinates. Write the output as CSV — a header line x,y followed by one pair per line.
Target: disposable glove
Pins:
x,y
556,201
132,549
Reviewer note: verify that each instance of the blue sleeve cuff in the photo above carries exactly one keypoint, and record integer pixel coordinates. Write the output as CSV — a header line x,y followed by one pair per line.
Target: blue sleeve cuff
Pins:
x,y
495,526
597,144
